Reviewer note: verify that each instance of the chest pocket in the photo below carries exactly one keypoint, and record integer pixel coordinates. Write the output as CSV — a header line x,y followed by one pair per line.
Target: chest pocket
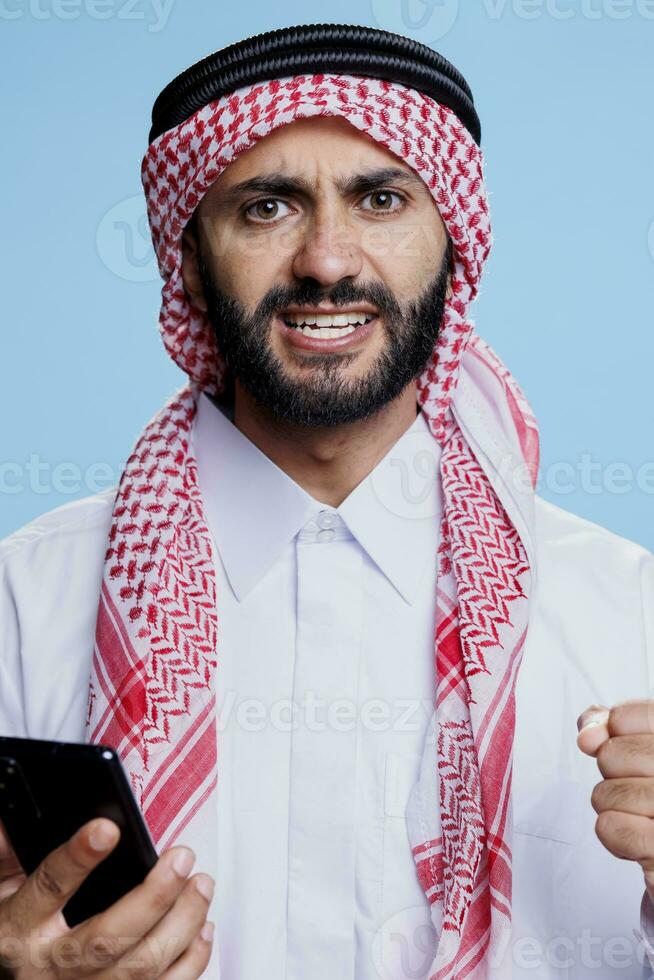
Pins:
x,y
553,810
406,934
549,827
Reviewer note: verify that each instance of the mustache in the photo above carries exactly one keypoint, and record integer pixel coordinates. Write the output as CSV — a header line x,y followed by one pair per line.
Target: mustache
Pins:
x,y
311,293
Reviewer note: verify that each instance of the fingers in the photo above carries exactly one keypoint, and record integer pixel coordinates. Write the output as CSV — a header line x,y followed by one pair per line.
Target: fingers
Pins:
x,y
110,933
622,740
593,729
171,938
626,755
60,874
598,723
632,795
195,960
627,835
632,718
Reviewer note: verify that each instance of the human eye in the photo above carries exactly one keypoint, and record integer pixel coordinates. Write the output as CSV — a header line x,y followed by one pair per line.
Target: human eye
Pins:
x,y
266,210
384,201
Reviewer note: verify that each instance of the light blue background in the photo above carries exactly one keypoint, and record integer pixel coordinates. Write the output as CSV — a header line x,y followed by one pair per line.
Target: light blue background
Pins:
x,y
565,92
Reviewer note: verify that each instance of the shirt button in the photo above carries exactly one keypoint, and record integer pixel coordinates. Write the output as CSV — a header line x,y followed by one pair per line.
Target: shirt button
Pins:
x,y
326,519
326,535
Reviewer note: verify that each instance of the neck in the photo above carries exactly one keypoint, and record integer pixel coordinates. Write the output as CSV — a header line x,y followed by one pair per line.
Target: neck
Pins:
x,y
327,462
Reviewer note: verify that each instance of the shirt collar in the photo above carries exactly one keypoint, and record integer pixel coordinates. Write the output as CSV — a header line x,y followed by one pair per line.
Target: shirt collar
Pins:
x,y
254,509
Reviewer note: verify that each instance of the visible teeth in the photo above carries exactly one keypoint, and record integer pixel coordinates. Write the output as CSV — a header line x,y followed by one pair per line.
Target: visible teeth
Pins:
x,y
329,320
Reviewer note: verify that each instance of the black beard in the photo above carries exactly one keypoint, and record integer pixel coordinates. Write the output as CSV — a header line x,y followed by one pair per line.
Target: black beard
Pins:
x,y
325,398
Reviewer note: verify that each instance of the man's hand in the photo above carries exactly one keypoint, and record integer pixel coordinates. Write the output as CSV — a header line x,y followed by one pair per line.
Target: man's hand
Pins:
x,y
12,875
622,740
158,929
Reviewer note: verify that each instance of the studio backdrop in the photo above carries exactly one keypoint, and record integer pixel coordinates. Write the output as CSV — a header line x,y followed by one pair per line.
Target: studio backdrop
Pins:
x,y
564,89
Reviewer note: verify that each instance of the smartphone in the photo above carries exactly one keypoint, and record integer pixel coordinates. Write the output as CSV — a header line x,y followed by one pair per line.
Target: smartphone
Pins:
x,y
48,790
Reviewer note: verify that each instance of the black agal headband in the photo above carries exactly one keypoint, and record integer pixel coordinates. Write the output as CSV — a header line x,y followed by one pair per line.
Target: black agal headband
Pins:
x,y
340,48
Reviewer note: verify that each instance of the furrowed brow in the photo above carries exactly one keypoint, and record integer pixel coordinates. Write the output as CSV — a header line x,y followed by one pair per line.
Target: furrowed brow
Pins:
x,y
285,186
272,184
361,183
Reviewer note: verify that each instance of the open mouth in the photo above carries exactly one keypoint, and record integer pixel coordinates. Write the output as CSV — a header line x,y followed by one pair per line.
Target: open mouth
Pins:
x,y
327,326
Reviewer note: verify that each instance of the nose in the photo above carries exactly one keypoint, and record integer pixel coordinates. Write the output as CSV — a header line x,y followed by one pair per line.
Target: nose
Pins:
x,y
327,252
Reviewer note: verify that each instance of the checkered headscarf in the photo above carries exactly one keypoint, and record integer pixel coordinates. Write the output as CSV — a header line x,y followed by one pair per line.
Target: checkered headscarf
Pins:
x,y
152,691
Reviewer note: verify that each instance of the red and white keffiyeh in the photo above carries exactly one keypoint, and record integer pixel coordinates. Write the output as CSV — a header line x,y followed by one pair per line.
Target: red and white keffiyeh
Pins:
x,y
152,689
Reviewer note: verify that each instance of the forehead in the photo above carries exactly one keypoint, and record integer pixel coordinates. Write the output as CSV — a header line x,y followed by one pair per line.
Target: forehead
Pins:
x,y
305,146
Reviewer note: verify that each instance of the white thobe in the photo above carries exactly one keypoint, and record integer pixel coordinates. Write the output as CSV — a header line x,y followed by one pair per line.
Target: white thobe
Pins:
x,y
325,682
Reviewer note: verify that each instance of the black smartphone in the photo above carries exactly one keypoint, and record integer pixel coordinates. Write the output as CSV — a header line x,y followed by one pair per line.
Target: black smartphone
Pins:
x,y
48,790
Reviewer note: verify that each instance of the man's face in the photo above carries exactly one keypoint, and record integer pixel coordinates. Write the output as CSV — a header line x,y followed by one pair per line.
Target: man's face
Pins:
x,y
317,220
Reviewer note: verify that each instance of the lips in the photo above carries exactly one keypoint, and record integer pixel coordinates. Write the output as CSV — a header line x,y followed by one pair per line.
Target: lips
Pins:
x,y
326,326
336,344
304,312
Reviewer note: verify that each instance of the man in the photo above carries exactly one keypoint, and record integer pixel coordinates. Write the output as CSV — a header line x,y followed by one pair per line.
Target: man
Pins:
x,y
340,644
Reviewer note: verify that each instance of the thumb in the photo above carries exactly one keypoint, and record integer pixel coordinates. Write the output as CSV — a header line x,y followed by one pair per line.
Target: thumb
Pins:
x,y
593,728
62,871
12,875
9,886
9,863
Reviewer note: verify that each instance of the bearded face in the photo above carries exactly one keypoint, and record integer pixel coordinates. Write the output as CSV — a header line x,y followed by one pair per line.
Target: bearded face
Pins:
x,y
322,263
320,392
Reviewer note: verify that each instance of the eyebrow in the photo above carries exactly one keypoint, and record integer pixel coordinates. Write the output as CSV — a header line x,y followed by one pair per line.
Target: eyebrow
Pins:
x,y
289,186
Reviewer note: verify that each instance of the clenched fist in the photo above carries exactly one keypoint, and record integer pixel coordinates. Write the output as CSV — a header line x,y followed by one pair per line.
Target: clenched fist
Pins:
x,y
621,738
